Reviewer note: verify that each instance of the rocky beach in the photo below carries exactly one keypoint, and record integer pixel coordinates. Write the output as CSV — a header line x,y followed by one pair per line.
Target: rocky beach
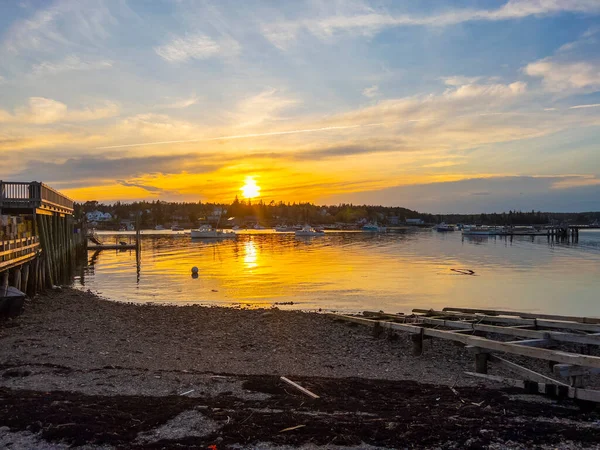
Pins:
x,y
77,370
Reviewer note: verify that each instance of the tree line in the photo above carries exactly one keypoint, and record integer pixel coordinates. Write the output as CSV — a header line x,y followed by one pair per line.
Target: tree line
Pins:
x,y
152,213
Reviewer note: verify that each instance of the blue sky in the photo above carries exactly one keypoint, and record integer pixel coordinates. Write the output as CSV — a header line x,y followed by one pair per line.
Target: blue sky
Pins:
x,y
327,101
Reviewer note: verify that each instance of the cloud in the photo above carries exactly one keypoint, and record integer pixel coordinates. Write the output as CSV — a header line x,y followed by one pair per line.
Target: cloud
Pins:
x,y
110,168
261,108
595,105
459,80
441,164
41,111
146,187
559,76
64,24
197,46
487,195
69,63
180,103
2,79
370,22
371,92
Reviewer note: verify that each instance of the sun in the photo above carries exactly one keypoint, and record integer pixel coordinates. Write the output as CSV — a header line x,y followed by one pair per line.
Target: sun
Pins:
x,y
250,189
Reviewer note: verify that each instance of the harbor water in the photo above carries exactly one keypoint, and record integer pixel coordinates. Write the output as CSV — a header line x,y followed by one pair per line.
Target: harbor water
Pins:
x,y
353,271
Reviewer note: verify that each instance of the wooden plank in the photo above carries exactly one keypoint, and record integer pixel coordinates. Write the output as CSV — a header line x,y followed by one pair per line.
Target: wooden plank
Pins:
x,y
541,343
525,315
523,350
543,388
527,373
19,249
546,323
590,339
16,261
300,388
568,370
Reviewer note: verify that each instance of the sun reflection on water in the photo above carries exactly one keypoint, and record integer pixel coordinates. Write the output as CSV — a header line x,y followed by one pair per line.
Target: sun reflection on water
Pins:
x,y
250,254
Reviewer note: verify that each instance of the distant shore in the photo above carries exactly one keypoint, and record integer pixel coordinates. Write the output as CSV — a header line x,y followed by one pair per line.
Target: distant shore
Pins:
x,y
83,360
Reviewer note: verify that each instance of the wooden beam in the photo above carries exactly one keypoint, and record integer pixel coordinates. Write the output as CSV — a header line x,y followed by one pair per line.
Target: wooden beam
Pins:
x,y
527,373
559,336
541,343
542,388
568,370
545,323
524,315
540,353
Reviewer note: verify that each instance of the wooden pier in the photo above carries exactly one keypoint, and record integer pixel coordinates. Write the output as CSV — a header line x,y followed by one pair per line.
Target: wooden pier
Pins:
x,y
39,239
488,333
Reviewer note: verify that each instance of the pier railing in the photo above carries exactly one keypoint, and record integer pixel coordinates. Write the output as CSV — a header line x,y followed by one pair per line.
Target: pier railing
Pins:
x,y
17,251
18,195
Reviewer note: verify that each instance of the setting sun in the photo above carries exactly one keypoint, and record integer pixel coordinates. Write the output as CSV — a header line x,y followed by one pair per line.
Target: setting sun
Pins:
x,y
250,189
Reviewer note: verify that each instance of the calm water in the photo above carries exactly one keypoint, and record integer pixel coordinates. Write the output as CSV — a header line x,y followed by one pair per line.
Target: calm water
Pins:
x,y
355,271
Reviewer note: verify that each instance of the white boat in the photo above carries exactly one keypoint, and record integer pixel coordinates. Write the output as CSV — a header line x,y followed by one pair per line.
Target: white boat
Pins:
x,y
307,230
444,227
176,228
207,232
480,231
159,227
259,227
373,228
284,228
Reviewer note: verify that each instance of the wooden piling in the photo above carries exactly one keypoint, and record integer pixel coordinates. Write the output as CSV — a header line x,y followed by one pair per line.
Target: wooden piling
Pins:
x,y
25,279
417,343
481,361
17,277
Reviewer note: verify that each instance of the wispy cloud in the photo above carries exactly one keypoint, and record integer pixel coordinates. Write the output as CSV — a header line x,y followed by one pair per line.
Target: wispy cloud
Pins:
x,y
66,24
371,92
197,46
559,76
594,105
40,110
145,187
69,63
459,80
179,103
281,33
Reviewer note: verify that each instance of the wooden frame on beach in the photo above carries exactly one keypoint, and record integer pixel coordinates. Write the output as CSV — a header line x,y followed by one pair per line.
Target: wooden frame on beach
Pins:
x,y
543,336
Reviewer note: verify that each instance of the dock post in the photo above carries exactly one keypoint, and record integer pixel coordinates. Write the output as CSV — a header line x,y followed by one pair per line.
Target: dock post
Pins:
x,y
25,278
417,343
5,279
481,360
17,278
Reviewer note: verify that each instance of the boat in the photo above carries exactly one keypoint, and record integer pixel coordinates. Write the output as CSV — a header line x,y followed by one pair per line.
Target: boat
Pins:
x,y
480,231
177,228
207,232
307,230
373,228
284,229
442,227
159,227
259,227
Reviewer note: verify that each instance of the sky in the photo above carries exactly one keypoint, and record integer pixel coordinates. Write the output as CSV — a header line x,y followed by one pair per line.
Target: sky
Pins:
x,y
465,106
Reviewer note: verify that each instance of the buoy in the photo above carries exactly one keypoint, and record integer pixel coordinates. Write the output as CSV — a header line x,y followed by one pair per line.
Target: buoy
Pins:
x,y
194,269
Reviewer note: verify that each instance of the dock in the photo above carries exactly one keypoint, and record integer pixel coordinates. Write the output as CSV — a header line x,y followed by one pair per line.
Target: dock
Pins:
x,y
493,336
39,237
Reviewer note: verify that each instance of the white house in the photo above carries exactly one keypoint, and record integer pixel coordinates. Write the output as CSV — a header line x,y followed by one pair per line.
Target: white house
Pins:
x,y
98,216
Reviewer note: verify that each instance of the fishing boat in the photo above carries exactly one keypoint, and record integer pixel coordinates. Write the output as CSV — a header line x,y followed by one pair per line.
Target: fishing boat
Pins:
x,y
207,232
307,230
443,227
373,228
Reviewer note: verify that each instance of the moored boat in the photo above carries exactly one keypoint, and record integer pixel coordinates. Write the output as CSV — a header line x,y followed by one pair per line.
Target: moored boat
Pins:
x,y
207,232
307,230
373,228
442,227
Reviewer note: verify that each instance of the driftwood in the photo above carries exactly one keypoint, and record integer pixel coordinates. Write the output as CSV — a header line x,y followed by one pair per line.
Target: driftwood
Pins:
x,y
300,388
